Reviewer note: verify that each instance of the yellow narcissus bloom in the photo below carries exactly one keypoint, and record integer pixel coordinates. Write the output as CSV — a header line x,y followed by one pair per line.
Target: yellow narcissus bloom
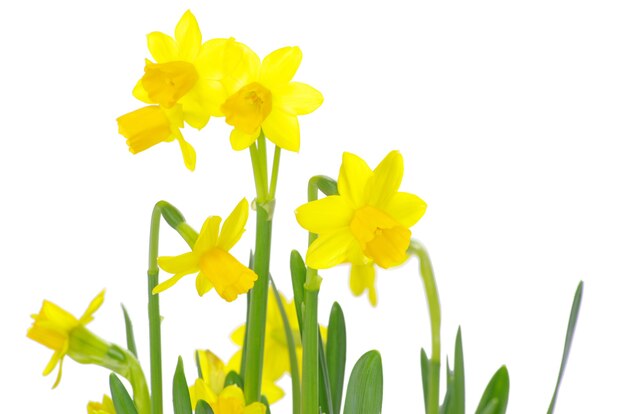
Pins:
x,y
105,407
367,223
213,374
53,328
262,97
231,401
210,258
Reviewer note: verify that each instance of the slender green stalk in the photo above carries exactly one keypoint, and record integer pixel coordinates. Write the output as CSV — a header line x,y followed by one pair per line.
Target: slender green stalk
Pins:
x,y
310,364
274,181
176,220
291,347
434,309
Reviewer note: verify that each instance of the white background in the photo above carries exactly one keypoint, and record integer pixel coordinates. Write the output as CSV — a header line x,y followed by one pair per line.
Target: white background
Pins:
x,y
510,117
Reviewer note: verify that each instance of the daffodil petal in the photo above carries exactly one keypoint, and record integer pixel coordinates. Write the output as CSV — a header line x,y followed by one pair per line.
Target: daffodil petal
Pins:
x,y
325,215
238,335
406,208
93,306
183,263
203,284
233,226
197,105
229,277
386,179
239,140
168,283
255,408
271,391
389,247
162,47
189,154
330,249
207,239
280,65
282,129
297,98
141,93
362,277
59,374
354,175
54,360
188,36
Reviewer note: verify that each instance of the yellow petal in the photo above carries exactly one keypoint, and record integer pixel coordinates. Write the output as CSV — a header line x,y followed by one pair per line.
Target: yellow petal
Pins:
x,y
354,175
54,360
188,36
271,391
229,277
406,208
255,408
168,283
330,249
144,128
282,129
325,215
184,263
59,374
233,226
197,105
362,277
201,391
389,246
297,98
280,65
238,335
93,306
189,154
162,47
141,93
207,239
203,284
240,140
212,369
386,180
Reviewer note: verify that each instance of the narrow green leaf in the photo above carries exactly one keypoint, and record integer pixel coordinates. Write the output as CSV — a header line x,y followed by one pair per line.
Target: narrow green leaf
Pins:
x,y
122,401
202,407
325,395
425,365
298,276
496,395
448,400
233,378
336,355
130,335
569,337
365,387
180,390
459,374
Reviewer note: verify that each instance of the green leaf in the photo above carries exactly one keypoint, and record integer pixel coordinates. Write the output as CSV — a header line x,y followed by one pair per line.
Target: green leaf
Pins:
x,y
324,380
327,185
425,365
266,404
122,401
298,276
454,401
569,337
180,390
496,395
365,387
130,336
202,407
233,378
336,355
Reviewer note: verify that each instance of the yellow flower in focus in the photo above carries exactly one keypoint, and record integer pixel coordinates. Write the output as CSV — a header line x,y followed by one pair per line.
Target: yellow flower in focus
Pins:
x,y
53,328
213,373
231,401
105,407
210,258
367,223
262,96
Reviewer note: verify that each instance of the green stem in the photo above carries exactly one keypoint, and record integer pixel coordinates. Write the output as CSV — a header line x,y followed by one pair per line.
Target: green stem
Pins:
x,y
434,309
310,365
291,347
176,220
275,164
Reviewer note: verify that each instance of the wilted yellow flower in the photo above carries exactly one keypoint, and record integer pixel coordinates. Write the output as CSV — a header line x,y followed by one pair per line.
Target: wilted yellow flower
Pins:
x,y
231,401
366,223
53,327
210,258
261,96
104,407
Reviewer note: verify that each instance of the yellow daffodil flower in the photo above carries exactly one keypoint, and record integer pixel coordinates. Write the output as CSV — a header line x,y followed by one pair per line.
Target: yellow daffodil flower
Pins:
x,y
231,401
367,223
262,96
53,327
104,407
210,258
213,373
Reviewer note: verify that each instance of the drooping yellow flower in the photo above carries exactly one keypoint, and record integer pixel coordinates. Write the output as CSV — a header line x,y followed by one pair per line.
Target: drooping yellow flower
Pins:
x,y
104,407
53,327
210,258
367,223
262,96
231,401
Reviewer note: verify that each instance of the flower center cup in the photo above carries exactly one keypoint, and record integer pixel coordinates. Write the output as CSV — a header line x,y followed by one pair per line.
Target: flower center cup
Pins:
x,y
166,83
247,108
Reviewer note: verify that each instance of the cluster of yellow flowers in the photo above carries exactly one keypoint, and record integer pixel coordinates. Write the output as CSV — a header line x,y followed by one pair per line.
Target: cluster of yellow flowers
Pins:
x,y
190,81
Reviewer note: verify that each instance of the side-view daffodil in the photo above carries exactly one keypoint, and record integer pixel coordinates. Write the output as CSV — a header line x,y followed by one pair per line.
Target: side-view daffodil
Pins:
x,y
231,401
53,327
367,223
210,259
263,97
104,407
213,375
